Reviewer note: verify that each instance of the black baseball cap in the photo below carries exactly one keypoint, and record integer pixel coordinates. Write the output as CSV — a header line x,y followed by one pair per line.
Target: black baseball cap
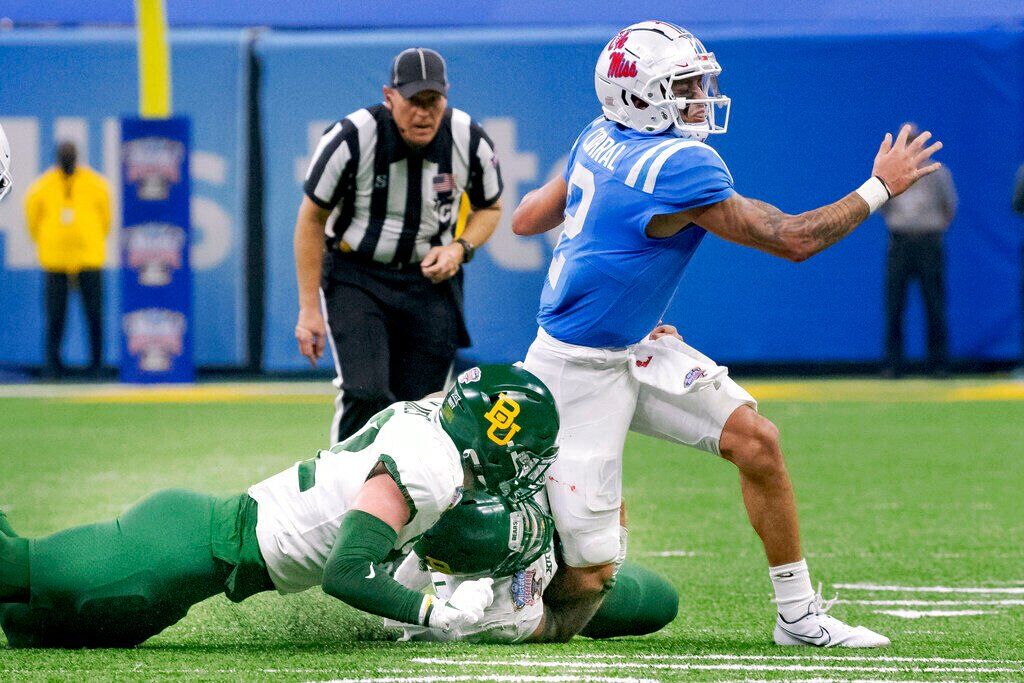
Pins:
x,y
418,69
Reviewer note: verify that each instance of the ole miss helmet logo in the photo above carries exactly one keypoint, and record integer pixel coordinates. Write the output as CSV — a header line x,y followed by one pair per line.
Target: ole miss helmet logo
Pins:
x,y
620,67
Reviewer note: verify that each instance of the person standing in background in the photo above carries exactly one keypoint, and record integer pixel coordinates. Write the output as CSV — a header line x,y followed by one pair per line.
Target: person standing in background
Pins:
x,y
1018,208
917,221
5,165
67,211
377,259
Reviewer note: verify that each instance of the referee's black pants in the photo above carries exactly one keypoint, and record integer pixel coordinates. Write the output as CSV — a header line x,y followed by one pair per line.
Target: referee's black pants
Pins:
x,y
56,290
394,335
916,257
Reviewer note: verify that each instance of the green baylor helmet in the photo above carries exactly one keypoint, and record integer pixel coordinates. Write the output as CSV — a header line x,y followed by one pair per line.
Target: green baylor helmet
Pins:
x,y
486,534
504,422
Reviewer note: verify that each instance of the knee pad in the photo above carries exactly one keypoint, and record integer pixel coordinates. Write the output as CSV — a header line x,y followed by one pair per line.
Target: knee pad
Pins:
x,y
591,547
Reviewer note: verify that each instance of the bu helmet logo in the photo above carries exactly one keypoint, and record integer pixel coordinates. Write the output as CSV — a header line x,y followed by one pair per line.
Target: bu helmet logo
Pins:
x,y
438,565
502,416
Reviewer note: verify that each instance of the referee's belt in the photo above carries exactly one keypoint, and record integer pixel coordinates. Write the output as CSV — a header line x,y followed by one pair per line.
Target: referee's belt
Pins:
x,y
342,256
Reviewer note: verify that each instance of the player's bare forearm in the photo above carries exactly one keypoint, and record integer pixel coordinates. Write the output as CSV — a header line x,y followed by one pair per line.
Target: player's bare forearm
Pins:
x,y
797,237
309,252
542,209
559,625
481,224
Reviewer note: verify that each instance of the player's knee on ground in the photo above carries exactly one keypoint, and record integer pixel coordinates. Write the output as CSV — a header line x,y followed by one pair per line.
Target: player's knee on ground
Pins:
x,y
641,602
751,442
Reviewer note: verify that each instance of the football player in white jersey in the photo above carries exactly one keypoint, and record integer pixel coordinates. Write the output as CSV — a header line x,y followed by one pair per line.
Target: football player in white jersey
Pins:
x,y
333,521
5,165
640,191
485,535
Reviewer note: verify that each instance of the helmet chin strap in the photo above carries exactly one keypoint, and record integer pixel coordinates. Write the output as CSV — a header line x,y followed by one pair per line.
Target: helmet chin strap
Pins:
x,y
474,465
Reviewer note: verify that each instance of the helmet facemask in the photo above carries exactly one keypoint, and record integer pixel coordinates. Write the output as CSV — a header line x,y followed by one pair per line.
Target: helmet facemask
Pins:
x,y
517,477
530,534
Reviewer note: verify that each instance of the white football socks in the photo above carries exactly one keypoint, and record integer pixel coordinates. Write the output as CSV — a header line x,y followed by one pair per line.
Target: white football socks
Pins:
x,y
792,583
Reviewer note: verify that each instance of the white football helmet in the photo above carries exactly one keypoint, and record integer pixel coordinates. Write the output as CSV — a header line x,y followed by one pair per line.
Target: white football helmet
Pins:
x,y
634,77
5,165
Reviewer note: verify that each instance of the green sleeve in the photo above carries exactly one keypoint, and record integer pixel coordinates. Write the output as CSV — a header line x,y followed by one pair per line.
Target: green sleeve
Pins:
x,y
353,573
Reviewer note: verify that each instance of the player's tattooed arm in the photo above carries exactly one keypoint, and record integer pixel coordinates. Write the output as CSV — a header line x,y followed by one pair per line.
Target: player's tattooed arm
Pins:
x,y
762,226
899,163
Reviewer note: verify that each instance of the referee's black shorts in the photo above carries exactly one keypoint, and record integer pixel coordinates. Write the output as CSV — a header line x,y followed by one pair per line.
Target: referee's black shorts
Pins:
x,y
394,336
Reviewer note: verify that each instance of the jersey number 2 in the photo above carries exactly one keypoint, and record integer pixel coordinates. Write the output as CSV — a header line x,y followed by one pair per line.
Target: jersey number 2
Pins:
x,y
582,178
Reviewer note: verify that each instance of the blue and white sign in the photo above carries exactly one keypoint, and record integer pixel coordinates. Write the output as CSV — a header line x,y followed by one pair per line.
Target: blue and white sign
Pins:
x,y
156,278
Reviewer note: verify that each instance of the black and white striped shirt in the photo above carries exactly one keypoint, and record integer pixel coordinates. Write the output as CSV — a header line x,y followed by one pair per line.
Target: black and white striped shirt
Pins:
x,y
390,202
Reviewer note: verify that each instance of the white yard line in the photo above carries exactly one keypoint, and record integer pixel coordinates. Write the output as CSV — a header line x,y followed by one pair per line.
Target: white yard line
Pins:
x,y
918,614
494,677
815,655
670,553
934,603
694,666
928,589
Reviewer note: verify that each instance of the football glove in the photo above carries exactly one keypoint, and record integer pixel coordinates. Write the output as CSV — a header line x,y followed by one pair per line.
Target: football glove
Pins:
x,y
465,607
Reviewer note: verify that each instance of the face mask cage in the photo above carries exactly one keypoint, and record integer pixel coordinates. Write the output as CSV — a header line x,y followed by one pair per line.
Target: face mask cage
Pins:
x,y
535,538
659,93
530,471
716,108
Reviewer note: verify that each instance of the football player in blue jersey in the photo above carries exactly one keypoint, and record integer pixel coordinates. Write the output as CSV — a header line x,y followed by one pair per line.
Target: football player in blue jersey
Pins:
x,y
640,191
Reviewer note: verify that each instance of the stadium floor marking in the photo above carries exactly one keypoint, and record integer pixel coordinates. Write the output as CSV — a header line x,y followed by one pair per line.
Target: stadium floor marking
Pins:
x,y
934,603
670,553
731,666
882,588
920,614
499,678
814,655
811,391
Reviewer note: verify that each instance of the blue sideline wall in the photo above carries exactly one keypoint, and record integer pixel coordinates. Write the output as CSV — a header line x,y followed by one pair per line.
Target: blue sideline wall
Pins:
x,y
808,115
76,84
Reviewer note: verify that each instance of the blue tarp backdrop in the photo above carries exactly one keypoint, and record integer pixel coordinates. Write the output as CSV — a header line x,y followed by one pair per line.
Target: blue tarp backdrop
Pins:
x,y
809,111
808,115
76,85
443,13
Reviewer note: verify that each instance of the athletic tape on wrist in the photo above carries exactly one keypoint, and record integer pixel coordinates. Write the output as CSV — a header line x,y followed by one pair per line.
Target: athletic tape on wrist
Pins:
x,y
874,192
426,607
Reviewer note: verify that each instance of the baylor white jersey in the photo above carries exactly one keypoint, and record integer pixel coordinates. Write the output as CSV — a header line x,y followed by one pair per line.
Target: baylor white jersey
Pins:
x,y
300,509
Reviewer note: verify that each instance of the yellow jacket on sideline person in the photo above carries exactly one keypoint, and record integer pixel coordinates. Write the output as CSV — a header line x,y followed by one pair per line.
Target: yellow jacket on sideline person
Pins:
x,y
68,218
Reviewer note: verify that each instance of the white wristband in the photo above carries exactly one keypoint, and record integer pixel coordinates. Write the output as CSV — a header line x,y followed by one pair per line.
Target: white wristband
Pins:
x,y
874,192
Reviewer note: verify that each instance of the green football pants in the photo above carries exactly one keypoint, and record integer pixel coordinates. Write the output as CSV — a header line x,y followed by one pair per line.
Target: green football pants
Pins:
x,y
639,603
115,584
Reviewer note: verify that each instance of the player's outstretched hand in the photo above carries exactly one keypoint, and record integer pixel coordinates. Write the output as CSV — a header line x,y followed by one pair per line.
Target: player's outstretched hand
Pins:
x,y
902,162
465,607
311,334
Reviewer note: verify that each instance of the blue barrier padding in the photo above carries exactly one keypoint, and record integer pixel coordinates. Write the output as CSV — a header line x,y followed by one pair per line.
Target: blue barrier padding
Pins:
x,y
79,83
808,115
823,16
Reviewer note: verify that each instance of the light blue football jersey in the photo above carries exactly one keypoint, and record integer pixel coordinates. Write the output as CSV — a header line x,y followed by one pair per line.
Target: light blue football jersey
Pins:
x,y
609,283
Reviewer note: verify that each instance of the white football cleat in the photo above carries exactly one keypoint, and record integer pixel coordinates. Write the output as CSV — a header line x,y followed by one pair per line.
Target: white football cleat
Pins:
x,y
818,629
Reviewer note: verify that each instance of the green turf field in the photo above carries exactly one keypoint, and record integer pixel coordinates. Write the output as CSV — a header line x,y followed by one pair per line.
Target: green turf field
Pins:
x,y
911,497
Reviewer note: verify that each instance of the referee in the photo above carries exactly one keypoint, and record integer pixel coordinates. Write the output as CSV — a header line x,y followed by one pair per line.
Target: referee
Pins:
x,y
378,264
